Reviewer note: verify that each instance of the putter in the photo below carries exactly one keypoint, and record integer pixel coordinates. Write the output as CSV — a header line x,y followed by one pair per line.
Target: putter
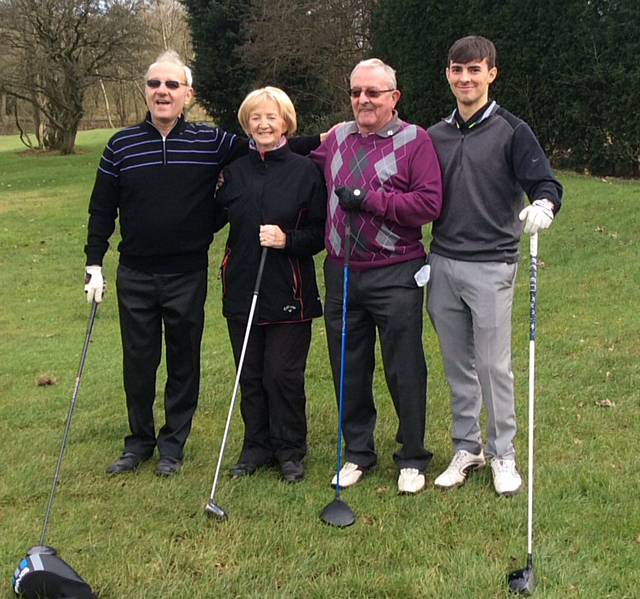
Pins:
x,y
42,573
212,509
523,581
338,513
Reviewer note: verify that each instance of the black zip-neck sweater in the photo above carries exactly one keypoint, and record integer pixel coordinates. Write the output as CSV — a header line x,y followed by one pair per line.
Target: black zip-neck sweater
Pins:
x,y
162,190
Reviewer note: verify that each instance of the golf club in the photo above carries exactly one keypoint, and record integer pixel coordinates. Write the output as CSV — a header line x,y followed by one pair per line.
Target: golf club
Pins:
x,y
212,509
338,513
42,573
523,581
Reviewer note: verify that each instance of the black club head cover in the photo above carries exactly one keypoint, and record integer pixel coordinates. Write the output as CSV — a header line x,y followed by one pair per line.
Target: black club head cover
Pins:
x,y
44,575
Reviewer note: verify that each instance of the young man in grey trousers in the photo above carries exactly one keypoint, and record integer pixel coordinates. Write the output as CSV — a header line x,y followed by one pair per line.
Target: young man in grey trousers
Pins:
x,y
490,160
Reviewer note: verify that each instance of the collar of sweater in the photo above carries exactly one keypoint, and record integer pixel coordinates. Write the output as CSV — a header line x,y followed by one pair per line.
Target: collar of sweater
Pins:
x,y
479,117
179,126
387,130
278,153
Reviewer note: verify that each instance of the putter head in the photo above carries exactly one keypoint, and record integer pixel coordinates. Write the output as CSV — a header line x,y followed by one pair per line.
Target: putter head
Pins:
x,y
43,574
522,582
338,513
213,510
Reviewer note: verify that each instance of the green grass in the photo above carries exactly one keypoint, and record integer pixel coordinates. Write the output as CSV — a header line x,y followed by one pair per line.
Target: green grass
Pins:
x,y
141,537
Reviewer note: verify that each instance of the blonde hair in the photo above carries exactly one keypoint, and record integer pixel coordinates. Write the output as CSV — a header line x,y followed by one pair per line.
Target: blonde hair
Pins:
x,y
376,63
172,57
282,101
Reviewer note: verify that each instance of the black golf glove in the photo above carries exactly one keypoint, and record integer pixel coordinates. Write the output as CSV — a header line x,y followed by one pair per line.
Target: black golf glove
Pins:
x,y
350,199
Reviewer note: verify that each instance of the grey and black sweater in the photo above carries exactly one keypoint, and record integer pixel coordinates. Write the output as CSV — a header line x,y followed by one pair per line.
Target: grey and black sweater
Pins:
x,y
488,165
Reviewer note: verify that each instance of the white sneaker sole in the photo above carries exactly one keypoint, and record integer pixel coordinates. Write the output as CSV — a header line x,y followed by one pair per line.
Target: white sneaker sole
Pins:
x,y
508,493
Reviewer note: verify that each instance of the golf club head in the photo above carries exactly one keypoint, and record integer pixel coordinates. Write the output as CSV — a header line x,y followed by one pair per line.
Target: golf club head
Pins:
x,y
213,510
522,581
338,513
43,574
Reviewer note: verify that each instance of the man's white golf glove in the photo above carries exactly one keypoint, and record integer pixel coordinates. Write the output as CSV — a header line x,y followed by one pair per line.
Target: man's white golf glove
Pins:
x,y
94,284
537,217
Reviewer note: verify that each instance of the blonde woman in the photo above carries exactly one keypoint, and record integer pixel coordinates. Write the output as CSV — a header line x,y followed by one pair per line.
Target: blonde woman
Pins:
x,y
276,199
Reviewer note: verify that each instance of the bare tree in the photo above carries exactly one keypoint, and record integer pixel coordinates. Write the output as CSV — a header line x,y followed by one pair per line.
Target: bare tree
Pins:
x,y
56,49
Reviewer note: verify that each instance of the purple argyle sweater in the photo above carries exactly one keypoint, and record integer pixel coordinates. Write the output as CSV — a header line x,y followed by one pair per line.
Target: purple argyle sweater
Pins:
x,y
398,169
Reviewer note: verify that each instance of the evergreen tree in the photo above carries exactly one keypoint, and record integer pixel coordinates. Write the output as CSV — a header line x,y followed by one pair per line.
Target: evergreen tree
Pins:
x,y
569,69
221,78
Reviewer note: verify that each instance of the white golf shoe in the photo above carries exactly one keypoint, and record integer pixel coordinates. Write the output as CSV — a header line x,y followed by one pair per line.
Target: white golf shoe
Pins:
x,y
456,473
350,474
506,479
410,481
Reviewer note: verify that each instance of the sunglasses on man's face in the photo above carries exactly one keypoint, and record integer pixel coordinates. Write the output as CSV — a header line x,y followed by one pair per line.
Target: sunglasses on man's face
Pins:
x,y
169,84
370,93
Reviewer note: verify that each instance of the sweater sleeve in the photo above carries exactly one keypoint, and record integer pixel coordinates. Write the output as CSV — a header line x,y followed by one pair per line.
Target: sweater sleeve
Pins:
x,y
421,202
308,239
304,144
532,168
103,209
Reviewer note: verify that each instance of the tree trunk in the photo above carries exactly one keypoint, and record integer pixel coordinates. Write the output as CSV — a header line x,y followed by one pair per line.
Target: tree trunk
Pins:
x,y
61,138
106,102
3,109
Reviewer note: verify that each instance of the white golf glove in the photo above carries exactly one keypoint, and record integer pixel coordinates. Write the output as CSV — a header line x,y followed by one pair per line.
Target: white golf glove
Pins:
x,y
537,217
94,284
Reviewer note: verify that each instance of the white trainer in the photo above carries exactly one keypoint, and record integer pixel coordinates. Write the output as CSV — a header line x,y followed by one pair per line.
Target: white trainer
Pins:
x,y
506,479
456,473
350,474
410,481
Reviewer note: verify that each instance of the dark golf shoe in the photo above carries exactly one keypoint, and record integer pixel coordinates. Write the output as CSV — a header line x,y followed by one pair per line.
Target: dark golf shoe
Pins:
x,y
127,462
168,466
292,472
243,469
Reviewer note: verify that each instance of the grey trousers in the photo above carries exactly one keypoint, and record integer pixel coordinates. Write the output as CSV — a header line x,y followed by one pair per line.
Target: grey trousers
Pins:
x,y
470,305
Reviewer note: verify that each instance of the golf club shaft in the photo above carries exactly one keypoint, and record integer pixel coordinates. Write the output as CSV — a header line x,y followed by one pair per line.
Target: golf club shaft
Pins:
x,y
345,292
67,428
254,301
533,285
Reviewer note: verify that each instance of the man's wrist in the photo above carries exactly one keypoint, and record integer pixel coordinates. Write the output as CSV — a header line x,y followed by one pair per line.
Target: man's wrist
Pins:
x,y
545,203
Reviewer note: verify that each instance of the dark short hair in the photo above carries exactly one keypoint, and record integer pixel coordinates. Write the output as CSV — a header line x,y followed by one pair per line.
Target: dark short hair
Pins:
x,y
472,47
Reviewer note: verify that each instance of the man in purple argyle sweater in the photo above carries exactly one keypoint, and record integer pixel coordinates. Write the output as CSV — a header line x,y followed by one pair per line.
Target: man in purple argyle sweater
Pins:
x,y
385,173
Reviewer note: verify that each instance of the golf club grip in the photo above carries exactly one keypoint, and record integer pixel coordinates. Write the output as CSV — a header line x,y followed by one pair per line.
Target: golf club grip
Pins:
x,y
67,427
263,259
347,240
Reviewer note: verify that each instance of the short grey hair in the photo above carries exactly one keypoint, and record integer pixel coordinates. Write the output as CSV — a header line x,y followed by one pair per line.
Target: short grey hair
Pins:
x,y
376,63
172,57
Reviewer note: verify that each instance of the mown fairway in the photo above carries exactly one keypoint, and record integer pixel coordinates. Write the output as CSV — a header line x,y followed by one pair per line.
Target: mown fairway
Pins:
x,y
142,537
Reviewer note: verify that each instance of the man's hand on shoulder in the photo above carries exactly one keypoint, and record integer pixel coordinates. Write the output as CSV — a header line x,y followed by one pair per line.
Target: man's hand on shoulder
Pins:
x,y
537,217
350,199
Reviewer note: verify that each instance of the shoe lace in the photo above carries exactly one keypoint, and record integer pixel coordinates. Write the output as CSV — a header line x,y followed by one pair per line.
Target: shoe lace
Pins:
x,y
504,466
409,472
458,459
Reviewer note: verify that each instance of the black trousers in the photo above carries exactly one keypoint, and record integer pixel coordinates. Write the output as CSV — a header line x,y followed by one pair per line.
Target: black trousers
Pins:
x,y
273,403
146,303
388,300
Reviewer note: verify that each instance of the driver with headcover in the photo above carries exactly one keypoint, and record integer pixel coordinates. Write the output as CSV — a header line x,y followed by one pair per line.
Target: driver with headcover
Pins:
x,y
42,574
